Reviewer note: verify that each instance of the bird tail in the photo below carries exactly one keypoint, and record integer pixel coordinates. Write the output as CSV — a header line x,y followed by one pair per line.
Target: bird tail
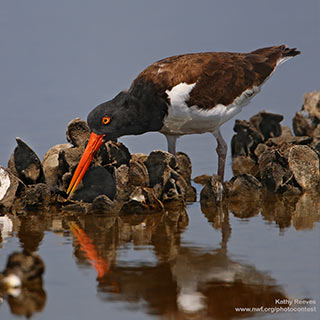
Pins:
x,y
288,52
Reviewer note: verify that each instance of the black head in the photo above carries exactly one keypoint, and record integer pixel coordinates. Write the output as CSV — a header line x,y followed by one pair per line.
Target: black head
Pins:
x,y
126,115
120,116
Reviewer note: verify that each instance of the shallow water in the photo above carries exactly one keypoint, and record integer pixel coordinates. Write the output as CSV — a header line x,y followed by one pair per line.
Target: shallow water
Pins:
x,y
183,264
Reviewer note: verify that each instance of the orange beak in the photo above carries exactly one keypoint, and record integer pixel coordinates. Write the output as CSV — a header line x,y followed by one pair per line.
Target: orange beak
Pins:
x,y
93,146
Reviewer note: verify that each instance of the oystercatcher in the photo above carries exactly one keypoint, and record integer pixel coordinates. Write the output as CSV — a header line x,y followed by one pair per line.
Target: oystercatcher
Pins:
x,y
183,94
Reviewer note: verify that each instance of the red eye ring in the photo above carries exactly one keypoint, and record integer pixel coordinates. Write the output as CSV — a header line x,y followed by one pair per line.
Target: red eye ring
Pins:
x,y
105,120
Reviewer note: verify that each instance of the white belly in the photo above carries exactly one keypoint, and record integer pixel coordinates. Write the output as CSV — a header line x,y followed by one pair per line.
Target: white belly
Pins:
x,y
189,120
182,119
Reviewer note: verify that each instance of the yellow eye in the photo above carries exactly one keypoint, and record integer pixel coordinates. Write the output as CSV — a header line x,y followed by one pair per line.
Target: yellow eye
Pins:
x,y
105,120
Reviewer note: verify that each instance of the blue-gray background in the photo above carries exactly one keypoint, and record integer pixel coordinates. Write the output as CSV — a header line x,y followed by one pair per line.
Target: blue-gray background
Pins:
x,y
61,58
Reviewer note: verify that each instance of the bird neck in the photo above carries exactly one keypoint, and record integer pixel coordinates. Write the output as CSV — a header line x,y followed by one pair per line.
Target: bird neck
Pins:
x,y
147,107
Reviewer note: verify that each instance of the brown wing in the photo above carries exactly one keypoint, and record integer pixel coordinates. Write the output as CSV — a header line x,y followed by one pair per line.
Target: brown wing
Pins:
x,y
220,77
169,72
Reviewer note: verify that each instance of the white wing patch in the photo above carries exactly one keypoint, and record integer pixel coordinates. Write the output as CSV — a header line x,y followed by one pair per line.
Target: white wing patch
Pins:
x,y
182,119
180,94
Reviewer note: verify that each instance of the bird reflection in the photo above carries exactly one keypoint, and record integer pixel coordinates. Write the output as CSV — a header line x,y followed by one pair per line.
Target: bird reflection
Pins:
x,y
101,265
185,281
21,283
214,284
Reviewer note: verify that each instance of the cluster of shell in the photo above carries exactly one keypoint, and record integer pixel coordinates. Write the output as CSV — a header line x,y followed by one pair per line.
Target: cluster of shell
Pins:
x,y
116,181
267,159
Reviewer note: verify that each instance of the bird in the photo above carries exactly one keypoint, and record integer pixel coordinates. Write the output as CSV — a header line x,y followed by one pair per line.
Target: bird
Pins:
x,y
190,93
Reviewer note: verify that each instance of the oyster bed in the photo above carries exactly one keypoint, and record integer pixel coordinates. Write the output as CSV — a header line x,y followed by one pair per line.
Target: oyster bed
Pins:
x,y
267,158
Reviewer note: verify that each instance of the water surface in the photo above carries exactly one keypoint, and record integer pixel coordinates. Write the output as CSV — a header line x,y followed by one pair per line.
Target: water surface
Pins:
x,y
197,263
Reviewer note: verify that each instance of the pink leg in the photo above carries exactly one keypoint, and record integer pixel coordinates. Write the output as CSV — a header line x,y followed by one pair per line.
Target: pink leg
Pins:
x,y
222,149
171,143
